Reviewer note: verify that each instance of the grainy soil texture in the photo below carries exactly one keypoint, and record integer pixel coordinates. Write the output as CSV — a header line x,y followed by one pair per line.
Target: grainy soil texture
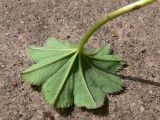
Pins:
x,y
135,36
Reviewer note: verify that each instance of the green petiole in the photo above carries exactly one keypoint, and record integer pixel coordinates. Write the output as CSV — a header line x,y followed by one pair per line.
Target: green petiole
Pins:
x,y
110,16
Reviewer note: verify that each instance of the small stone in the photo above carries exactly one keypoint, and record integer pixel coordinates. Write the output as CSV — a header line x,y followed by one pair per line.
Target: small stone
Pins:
x,y
45,27
7,34
142,109
21,22
14,83
143,50
3,66
150,91
114,34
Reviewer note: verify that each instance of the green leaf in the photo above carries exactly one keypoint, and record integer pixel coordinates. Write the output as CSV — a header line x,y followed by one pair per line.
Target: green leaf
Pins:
x,y
69,77
60,83
86,93
53,48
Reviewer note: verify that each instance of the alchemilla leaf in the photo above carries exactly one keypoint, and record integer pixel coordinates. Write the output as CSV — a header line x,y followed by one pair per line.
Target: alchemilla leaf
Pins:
x,y
69,77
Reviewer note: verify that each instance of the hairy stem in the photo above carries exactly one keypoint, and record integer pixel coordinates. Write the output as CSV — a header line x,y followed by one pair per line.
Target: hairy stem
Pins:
x,y
110,16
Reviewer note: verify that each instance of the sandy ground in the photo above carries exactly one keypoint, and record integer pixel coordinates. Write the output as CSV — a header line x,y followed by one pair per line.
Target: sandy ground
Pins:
x,y
135,36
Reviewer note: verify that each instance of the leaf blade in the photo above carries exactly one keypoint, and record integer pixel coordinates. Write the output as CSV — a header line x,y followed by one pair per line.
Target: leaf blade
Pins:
x,y
109,82
54,85
69,77
53,47
85,93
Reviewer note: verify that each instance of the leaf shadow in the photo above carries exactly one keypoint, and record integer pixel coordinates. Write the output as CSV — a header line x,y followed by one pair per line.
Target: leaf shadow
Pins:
x,y
36,88
136,79
104,110
119,92
101,111
66,111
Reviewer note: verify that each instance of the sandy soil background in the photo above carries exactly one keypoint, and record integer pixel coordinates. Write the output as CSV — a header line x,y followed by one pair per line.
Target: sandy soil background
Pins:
x,y
135,36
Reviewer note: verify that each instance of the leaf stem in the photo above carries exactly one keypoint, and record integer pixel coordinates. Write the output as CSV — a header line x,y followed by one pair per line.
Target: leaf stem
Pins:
x,y
110,16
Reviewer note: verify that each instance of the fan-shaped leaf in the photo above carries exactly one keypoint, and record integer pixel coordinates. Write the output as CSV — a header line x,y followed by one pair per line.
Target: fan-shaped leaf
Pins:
x,y
71,77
